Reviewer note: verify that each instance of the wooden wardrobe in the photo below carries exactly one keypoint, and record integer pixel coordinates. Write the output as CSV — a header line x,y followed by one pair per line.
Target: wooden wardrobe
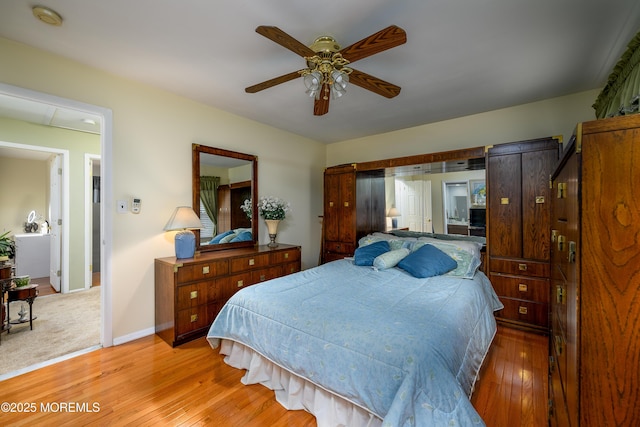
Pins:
x,y
518,229
354,206
595,269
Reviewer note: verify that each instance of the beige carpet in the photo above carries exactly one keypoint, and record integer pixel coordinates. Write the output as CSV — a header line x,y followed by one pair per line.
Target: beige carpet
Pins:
x,y
65,323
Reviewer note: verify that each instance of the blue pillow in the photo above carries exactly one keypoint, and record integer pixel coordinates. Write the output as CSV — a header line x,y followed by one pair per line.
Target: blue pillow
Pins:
x,y
219,237
365,255
427,261
245,236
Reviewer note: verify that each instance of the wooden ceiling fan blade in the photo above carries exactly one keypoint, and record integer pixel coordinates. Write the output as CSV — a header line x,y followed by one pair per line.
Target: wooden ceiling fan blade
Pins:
x,y
276,35
321,105
273,82
387,38
374,84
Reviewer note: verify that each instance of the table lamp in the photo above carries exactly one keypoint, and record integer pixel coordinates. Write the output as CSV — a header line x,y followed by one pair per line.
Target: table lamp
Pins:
x,y
184,219
394,213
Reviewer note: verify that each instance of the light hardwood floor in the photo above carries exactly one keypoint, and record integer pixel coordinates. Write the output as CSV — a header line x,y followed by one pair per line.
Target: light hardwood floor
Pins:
x,y
148,383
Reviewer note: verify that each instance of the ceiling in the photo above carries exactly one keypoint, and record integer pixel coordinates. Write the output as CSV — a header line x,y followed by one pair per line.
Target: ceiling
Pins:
x,y
462,57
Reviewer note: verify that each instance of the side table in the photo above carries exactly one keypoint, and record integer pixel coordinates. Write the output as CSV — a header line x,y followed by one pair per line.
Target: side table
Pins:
x,y
24,293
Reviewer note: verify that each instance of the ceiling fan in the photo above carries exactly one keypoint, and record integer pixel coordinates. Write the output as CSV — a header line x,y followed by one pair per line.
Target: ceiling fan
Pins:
x,y
328,66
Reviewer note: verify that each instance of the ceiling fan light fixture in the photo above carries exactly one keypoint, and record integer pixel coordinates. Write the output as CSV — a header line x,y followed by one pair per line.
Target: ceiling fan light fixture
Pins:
x,y
313,82
339,81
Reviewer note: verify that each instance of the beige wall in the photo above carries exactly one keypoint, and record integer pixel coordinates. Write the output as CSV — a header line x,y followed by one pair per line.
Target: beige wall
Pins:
x,y
24,189
551,117
152,135
13,214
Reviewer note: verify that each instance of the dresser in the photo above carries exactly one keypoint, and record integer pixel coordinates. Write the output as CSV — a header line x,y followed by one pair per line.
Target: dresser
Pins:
x,y
518,212
190,292
595,281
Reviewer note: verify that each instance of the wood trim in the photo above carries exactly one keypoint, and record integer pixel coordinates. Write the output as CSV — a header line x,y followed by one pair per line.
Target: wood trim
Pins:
x,y
444,156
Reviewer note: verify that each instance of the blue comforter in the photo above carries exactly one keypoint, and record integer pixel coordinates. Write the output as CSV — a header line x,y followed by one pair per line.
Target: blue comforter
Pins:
x,y
407,349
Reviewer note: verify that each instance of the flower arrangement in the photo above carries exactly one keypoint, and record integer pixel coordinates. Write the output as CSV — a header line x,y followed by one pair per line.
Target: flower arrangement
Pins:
x,y
273,208
247,208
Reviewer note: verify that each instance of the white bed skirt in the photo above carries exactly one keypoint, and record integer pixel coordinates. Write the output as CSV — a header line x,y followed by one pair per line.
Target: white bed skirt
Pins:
x,y
295,393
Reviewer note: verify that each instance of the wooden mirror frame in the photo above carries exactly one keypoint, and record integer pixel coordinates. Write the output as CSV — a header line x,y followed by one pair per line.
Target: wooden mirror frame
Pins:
x,y
198,150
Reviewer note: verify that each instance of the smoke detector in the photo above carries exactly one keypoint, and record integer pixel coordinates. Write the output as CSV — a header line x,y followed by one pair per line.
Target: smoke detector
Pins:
x,y
47,15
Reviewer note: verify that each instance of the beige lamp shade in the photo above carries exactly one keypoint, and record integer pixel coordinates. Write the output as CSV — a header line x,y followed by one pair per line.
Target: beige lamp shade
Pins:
x,y
393,212
183,218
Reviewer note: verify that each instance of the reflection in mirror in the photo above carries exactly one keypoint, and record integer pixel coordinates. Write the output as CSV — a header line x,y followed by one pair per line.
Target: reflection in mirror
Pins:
x,y
224,181
434,197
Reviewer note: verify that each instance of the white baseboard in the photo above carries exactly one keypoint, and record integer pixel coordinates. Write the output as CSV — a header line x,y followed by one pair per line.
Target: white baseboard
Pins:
x,y
134,336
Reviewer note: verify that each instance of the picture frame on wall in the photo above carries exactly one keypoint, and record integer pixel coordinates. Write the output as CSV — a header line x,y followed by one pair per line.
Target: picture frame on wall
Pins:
x,y
478,192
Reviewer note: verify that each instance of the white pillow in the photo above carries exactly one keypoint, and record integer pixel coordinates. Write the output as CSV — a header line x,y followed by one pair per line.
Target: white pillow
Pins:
x,y
472,247
390,259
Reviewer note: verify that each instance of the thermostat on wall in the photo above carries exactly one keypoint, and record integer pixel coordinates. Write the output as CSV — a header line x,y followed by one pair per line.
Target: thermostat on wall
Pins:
x,y
135,205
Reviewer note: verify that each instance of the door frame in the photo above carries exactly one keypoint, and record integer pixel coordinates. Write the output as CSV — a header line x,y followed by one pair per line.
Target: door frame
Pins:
x,y
88,219
106,207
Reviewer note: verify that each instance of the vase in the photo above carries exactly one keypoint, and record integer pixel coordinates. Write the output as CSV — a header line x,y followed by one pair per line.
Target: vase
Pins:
x,y
272,226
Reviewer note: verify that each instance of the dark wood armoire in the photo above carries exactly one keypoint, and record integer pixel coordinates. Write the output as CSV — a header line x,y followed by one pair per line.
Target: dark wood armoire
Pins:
x,y
518,229
230,198
354,206
595,263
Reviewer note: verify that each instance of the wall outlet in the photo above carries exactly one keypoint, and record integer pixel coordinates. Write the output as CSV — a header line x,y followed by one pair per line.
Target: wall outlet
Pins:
x,y
122,206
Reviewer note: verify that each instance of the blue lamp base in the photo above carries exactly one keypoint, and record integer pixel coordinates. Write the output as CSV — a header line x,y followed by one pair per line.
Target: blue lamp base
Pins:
x,y
185,244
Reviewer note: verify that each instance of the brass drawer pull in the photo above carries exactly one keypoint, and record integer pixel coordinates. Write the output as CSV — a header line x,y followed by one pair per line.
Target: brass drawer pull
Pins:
x,y
562,190
522,267
561,242
504,201
262,277
346,204
240,283
559,295
559,344
194,318
539,200
252,261
194,294
286,255
571,255
205,269
522,310
522,287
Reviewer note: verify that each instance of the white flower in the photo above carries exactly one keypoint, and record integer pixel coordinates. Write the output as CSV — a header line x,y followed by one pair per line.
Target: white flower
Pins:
x,y
273,208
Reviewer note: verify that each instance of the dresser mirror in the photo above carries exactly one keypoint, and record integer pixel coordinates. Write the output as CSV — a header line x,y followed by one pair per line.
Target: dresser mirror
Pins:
x,y
223,181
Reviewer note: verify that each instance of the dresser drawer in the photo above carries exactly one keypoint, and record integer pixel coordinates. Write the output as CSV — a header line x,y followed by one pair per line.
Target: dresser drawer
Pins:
x,y
249,262
258,276
521,287
290,268
281,257
202,270
524,311
347,249
192,319
191,295
237,282
521,267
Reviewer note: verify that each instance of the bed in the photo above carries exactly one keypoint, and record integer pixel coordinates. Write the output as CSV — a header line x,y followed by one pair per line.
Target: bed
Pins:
x,y
360,345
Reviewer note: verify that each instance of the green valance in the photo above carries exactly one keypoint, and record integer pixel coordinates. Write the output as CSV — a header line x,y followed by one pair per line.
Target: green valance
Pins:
x,y
621,94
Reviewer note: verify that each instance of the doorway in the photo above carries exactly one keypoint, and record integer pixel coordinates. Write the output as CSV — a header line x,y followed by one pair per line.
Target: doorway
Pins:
x,y
106,124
